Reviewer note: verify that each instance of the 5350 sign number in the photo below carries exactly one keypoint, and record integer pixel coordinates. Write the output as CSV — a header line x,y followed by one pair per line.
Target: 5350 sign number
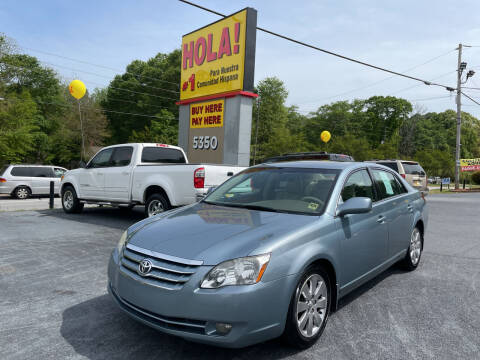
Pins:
x,y
205,142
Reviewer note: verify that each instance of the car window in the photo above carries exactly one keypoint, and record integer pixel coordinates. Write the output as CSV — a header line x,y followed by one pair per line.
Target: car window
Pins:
x,y
40,171
413,168
292,190
392,165
387,184
59,172
21,171
102,159
162,155
358,184
122,156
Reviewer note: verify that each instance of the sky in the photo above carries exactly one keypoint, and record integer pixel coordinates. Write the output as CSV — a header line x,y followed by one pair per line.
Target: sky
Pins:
x,y
399,35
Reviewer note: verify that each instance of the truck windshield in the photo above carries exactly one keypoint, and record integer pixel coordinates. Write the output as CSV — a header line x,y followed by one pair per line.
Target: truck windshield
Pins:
x,y
292,190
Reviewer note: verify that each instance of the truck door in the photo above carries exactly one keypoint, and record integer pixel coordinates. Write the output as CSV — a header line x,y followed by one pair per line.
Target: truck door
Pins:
x,y
92,178
118,174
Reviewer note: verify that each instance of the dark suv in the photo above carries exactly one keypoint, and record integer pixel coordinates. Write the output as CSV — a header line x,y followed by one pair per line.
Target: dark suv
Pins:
x,y
321,155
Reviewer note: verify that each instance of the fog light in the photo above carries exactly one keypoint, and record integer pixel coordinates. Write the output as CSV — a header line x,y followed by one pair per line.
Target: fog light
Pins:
x,y
223,328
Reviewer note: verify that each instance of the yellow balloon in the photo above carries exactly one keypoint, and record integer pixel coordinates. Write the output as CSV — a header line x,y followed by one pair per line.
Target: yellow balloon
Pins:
x,y
77,89
325,136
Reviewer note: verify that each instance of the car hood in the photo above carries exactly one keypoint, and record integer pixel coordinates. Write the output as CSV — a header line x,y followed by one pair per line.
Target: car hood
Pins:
x,y
213,233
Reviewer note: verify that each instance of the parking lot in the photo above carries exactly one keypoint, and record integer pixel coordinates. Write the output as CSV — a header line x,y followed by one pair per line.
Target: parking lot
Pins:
x,y
54,304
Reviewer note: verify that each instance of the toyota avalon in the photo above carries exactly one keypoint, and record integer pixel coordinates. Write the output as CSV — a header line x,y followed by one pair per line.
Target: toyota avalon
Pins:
x,y
269,252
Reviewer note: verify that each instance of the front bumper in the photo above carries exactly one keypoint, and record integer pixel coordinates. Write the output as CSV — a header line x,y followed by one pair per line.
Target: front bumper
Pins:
x,y
256,312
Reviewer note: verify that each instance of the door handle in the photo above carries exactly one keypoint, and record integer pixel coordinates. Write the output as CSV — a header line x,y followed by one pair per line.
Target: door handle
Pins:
x,y
125,173
381,219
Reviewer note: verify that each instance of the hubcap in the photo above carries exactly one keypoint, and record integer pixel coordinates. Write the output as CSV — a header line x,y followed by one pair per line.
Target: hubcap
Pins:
x,y
22,193
312,305
68,199
155,207
415,246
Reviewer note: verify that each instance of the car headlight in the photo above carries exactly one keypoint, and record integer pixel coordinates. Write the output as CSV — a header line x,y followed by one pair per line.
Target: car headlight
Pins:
x,y
122,242
241,271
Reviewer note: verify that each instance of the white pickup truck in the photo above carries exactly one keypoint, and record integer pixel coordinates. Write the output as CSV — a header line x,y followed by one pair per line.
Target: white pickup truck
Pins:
x,y
155,175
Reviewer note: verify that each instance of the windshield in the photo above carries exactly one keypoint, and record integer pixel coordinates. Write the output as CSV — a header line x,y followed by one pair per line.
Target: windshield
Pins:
x,y
292,190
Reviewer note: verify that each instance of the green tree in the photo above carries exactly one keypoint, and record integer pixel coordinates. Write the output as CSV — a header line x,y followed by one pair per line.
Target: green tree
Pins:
x,y
147,88
17,127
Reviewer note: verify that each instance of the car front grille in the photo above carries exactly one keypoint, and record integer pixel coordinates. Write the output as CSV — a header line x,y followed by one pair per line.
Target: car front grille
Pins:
x,y
166,322
167,272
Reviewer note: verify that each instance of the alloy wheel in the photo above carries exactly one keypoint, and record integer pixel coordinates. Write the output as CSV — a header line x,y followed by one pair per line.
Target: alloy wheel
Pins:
x,y
312,305
415,246
155,207
68,200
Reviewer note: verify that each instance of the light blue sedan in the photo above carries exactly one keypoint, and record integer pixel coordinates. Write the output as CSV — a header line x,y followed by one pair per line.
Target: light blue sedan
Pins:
x,y
269,252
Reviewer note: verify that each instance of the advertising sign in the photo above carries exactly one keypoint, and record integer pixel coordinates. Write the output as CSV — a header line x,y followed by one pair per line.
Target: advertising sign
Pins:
x,y
470,164
219,57
206,131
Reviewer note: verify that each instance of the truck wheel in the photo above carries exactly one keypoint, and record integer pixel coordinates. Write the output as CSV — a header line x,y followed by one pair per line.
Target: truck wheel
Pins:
x,y
22,192
70,202
156,204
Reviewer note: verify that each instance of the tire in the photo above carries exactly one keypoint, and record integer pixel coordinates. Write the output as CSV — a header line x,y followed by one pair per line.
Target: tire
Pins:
x,y
156,204
70,202
298,333
414,252
22,192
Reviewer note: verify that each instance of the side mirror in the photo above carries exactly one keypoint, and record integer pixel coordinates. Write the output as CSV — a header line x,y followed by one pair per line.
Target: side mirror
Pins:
x,y
82,164
355,205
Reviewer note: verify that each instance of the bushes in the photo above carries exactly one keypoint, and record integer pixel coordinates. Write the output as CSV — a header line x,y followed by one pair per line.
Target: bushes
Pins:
x,y
476,177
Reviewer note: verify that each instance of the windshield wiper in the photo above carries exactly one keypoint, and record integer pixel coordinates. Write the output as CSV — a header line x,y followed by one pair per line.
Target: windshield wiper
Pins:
x,y
245,206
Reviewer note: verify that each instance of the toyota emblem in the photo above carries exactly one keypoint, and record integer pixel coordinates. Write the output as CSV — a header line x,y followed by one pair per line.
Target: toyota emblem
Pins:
x,y
144,267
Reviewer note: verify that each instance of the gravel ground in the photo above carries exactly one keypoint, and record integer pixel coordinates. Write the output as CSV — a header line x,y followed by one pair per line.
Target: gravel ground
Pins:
x,y
53,301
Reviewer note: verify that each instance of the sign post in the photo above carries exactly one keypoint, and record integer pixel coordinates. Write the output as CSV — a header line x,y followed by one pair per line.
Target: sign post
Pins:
x,y
216,90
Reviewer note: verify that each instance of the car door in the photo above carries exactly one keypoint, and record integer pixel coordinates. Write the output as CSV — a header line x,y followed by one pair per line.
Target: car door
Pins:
x,y
92,178
42,175
118,174
363,236
397,207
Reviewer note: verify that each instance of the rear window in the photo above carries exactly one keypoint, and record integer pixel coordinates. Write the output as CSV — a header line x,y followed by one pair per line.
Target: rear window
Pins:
x,y
392,165
413,169
3,169
162,155
122,156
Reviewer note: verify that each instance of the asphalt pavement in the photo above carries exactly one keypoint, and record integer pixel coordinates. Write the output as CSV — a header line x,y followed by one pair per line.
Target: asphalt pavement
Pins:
x,y
54,304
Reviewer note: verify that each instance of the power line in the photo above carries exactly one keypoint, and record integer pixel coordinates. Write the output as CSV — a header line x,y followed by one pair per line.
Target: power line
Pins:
x,y
414,86
468,97
84,107
414,100
426,82
97,65
380,81
92,82
106,77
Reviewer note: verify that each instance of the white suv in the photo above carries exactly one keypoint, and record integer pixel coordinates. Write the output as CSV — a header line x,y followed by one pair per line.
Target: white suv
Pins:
x,y
409,170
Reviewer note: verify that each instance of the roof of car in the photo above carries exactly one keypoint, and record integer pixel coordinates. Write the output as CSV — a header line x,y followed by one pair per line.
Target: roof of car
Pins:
x,y
340,165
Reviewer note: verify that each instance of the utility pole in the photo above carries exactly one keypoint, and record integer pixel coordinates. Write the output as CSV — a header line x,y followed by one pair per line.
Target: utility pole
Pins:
x,y
459,117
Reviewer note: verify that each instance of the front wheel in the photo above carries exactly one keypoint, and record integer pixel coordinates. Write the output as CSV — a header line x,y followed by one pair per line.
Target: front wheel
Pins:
x,y
70,202
156,204
414,252
309,308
